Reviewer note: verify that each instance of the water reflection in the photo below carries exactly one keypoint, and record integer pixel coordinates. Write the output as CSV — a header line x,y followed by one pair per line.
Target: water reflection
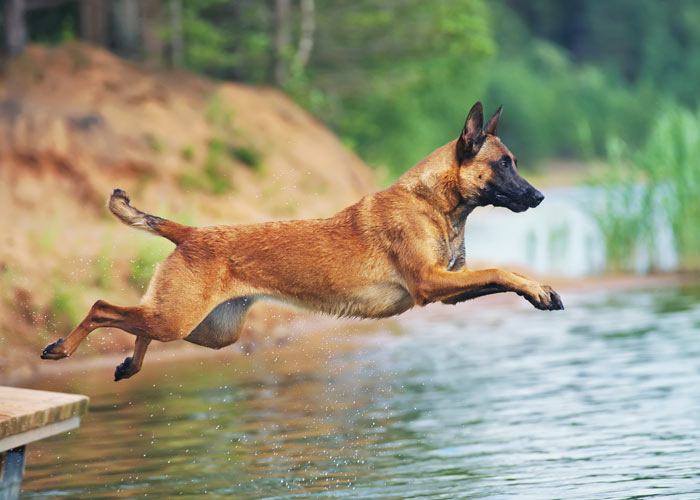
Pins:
x,y
598,402
560,238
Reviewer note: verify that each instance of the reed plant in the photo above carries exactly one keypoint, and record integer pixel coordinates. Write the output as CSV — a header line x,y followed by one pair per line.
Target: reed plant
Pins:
x,y
658,184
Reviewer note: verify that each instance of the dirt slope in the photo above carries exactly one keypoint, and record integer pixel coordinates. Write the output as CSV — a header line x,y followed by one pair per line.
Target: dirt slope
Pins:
x,y
76,121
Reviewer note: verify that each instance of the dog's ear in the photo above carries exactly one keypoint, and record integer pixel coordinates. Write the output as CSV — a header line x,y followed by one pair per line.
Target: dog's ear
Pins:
x,y
472,136
492,124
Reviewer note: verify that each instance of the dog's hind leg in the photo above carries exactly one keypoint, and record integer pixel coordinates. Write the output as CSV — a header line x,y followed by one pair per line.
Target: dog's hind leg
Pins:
x,y
102,314
132,364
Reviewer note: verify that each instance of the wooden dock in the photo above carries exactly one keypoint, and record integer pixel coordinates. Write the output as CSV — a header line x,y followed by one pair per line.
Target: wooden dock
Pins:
x,y
26,416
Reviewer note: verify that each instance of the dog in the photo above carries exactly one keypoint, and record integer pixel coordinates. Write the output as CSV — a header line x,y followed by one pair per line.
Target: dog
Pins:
x,y
391,251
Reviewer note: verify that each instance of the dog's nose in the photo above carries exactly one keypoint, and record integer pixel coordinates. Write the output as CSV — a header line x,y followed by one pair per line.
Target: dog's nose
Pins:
x,y
537,198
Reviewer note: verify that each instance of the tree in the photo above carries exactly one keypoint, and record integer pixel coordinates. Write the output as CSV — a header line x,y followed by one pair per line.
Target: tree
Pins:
x,y
93,21
15,27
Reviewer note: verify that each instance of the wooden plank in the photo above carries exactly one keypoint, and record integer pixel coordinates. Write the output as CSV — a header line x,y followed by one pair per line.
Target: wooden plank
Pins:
x,y
23,438
22,410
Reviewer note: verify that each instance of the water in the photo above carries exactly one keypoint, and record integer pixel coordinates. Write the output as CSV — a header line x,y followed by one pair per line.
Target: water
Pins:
x,y
491,400
560,237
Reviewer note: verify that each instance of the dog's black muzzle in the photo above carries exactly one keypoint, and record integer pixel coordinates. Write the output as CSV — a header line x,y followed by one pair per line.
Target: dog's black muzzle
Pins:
x,y
518,198
535,198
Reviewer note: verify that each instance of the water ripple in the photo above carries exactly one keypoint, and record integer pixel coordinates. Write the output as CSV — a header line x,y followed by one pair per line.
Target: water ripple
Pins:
x,y
598,402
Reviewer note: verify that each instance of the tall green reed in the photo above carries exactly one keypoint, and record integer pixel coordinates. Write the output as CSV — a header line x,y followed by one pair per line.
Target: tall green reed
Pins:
x,y
660,183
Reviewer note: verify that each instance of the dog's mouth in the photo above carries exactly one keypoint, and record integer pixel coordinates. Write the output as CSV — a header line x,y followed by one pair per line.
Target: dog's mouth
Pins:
x,y
516,203
505,201
518,207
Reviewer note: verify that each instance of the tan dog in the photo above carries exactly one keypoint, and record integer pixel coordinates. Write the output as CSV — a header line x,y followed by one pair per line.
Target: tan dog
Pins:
x,y
390,251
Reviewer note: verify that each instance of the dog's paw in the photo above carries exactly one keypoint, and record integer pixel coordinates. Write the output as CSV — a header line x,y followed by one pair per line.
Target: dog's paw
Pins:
x,y
546,299
124,370
54,350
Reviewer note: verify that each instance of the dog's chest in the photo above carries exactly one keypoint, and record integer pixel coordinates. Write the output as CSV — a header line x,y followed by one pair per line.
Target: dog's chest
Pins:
x,y
453,243
455,247
457,256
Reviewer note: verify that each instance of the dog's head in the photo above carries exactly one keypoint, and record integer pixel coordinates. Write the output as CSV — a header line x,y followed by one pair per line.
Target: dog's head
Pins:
x,y
488,171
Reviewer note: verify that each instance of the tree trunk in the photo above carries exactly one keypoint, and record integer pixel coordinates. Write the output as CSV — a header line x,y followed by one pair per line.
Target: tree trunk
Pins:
x,y
177,41
151,24
306,37
282,35
93,21
15,27
126,27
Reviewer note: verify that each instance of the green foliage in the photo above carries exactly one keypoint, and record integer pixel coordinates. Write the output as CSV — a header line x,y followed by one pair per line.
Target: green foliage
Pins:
x,y
569,75
65,307
662,180
397,81
216,177
149,252
224,149
102,269
396,78
191,179
48,238
657,44
227,39
554,108
218,115
53,26
153,143
188,152
247,155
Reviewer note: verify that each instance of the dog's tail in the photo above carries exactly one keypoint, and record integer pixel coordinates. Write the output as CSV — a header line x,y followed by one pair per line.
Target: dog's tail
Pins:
x,y
119,206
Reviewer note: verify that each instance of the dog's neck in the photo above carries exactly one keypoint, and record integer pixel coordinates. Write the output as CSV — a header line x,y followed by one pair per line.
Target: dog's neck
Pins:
x,y
435,179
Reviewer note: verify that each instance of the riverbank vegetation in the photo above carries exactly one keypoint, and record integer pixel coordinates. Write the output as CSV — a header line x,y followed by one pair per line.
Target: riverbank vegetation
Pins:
x,y
657,185
394,78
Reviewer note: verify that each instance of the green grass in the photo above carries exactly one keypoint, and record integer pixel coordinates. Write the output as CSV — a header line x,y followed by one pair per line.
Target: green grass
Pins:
x,y
215,175
214,170
154,144
248,156
188,152
48,238
223,152
149,253
65,307
660,183
102,269
217,114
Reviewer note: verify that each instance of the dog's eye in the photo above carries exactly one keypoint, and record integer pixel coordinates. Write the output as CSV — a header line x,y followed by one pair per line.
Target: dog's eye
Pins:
x,y
504,163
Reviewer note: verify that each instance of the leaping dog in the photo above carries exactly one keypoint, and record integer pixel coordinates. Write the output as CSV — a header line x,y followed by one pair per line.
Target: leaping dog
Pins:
x,y
392,250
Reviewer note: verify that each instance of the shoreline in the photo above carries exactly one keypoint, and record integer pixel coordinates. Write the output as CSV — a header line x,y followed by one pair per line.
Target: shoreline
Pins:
x,y
304,329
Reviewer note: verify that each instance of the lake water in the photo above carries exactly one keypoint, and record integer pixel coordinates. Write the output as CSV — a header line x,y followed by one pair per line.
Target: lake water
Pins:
x,y
560,237
490,400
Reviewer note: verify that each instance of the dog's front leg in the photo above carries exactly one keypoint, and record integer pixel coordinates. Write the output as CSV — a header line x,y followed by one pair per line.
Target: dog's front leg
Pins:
x,y
436,284
462,297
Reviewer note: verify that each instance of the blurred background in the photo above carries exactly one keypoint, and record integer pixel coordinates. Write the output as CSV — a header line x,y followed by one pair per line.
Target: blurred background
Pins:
x,y
212,111
229,111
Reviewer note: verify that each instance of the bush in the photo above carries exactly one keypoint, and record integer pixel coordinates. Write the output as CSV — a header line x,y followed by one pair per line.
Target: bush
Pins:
x,y
553,108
